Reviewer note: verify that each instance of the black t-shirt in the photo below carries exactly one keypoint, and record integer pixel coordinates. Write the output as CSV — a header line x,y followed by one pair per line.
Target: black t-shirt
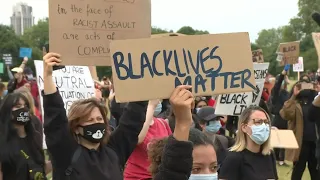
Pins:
x,y
18,168
247,165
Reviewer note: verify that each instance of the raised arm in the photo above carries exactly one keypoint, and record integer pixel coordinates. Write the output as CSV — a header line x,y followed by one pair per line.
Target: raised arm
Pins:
x,y
149,117
60,142
176,162
276,88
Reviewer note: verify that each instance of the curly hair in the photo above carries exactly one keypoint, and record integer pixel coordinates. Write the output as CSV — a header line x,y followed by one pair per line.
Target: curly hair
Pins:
x,y
155,149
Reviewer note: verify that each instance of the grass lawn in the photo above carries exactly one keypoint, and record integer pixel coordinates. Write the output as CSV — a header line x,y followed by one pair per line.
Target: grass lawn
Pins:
x,y
284,173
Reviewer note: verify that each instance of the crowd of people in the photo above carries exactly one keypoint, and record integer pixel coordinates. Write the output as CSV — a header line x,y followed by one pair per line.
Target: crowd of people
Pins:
x,y
178,138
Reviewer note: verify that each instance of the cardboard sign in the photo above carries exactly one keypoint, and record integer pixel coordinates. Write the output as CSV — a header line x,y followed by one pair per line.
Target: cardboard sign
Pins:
x,y
291,52
81,30
283,139
74,82
299,66
234,104
7,58
1,68
145,69
25,52
257,56
316,41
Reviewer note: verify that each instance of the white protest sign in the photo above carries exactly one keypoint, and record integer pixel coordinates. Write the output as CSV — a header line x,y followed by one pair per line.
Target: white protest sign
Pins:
x,y
234,104
73,82
299,66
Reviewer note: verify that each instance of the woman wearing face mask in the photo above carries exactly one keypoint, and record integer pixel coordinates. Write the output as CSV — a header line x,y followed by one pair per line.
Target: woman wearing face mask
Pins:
x,y
80,145
296,112
153,128
251,157
21,154
211,124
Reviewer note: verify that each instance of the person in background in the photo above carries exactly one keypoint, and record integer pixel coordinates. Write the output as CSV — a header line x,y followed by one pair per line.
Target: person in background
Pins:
x,y
3,91
153,128
296,112
80,144
10,75
21,153
211,101
211,124
105,86
315,111
32,81
251,156
200,101
19,79
279,95
232,125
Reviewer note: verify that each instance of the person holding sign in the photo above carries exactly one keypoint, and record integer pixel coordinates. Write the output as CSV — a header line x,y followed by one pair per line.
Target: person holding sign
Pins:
x,y
80,145
251,157
296,112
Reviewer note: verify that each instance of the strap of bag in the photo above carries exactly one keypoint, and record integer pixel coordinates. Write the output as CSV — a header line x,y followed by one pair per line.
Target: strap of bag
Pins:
x,y
74,160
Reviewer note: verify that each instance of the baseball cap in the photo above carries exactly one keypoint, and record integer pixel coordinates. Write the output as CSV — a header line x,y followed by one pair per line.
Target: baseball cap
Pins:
x,y
207,113
17,70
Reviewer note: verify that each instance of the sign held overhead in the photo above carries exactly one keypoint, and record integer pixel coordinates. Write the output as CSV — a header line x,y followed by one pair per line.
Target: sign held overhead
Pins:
x,y
153,67
81,30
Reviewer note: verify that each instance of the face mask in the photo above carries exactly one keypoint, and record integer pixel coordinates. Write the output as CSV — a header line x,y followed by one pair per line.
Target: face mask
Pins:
x,y
158,110
204,176
30,76
213,126
21,116
94,133
5,92
260,133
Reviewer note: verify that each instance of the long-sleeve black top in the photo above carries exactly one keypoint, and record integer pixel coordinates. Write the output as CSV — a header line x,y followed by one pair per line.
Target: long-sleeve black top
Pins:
x,y
102,164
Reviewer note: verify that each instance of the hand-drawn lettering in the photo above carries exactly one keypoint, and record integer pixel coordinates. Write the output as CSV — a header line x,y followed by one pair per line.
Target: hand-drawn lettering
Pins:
x,y
70,36
94,11
238,109
117,25
61,10
233,98
74,8
255,94
90,51
82,23
260,74
289,48
93,36
173,66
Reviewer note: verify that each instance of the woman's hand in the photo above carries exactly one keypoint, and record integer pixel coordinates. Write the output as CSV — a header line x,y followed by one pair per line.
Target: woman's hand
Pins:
x,y
50,60
182,102
112,94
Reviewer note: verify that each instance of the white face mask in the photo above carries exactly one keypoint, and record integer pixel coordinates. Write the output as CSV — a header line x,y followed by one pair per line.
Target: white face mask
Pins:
x,y
204,176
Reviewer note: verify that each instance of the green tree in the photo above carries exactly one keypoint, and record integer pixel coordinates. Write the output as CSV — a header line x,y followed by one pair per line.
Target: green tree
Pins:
x,y
156,30
190,31
10,44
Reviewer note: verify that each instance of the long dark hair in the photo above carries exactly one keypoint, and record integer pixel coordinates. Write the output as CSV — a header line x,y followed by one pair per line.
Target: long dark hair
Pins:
x,y
9,139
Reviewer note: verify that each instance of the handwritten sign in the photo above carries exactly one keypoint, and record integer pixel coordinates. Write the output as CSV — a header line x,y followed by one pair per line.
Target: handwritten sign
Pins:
x,y
151,68
234,104
257,56
316,41
81,30
299,66
291,51
7,58
25,52
74,82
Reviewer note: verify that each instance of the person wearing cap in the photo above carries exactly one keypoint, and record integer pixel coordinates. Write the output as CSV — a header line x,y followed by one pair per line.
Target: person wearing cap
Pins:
x,y
210,123
19,79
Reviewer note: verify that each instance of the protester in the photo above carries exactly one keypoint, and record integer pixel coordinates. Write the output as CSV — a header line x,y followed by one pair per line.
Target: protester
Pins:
x,y
296,112
34,111
315,111
78,144
251,157
178,160
279,95
232,125
19,79
211,124
105,86
21,153
200,102
28,74
153,128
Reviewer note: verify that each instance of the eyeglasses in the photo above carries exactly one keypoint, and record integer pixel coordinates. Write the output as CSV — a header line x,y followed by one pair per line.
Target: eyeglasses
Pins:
x,y
261,121
198,98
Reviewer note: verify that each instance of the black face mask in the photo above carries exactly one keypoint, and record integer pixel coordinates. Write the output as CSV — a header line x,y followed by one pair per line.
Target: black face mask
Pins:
x,y
94,133
21,116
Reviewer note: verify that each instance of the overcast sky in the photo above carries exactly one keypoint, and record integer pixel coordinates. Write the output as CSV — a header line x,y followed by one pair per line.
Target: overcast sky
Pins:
x,y
216,16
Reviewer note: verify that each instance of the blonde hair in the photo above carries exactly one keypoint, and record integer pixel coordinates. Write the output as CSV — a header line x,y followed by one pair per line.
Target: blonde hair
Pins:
x,y
79,112
26,93
241,138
